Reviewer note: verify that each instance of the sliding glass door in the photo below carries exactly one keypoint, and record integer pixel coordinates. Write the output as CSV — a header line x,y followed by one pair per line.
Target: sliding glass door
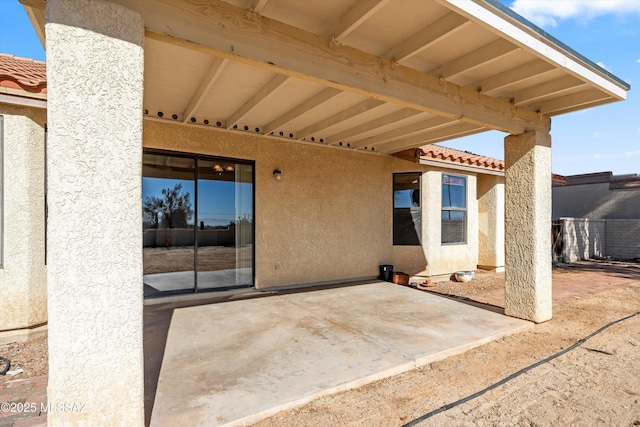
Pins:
x,y
198,223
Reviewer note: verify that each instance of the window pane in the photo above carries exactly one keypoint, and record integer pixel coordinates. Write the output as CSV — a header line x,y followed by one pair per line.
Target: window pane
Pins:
x,y
225,224
407,214
168,195
453,226
454,192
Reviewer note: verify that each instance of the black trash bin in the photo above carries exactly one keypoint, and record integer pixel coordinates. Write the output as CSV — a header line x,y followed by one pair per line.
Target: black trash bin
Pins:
x,y
386,272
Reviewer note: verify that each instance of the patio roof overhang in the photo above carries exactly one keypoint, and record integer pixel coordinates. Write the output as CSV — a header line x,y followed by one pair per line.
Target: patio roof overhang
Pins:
x,y
373,75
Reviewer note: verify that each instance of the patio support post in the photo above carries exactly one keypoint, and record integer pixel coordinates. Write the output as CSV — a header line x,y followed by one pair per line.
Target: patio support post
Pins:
x,y
528,226
94,156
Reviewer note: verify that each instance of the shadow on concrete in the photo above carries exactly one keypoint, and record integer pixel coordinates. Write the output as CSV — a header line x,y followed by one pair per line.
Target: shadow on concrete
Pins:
x,y
468,301
157,322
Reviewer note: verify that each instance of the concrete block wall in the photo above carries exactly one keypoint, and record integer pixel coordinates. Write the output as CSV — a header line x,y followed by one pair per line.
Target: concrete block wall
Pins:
x,y
587,238
583,239
623,238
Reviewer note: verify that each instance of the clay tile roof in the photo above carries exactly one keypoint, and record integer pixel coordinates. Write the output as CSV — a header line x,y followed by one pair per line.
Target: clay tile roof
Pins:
x,y
438,152
22,73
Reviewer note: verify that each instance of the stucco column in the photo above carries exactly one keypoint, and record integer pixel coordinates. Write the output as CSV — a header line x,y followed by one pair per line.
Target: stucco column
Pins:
x,y
95,84
490,195
528,226
23,286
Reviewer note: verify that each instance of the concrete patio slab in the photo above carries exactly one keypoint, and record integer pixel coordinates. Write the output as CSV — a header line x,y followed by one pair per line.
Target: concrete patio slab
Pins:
x,y
241,361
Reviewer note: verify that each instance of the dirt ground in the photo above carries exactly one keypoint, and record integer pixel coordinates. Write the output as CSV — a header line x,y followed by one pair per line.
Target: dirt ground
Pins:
x,y
210,258
597,383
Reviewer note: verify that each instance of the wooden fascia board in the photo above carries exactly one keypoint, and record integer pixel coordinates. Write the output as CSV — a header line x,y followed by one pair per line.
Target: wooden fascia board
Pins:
x,y
227,31
477,11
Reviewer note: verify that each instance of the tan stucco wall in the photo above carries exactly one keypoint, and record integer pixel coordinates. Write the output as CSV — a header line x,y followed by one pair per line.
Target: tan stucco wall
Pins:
x,y
491,222
328,219
446,259
23,286
94,243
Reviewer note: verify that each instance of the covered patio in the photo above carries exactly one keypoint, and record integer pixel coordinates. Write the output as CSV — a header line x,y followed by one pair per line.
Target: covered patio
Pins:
x,y
313,99
238,361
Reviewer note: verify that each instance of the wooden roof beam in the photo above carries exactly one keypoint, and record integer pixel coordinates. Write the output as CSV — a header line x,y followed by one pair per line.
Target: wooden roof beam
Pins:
x,y
514,75
428,36
347,114
403,132
443,133
354,17
224,30
488,53
547,89
257,99
258,5
575,101
300,109
394,117
217,66
519,33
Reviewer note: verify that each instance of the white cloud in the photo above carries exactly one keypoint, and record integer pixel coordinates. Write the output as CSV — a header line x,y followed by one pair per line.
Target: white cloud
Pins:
x,y
546,13
638,61
633,153
602,64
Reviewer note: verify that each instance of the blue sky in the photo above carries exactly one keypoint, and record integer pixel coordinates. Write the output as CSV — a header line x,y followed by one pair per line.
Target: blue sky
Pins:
x,y
605,138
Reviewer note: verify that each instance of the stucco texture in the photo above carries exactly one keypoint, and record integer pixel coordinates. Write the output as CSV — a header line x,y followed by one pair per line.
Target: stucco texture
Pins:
x,y
95,91
491,222
330,217
447,258
528,226
23,287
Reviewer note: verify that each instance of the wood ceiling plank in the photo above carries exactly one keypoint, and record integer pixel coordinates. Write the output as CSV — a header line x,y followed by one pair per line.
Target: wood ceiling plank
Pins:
x,y
208,81
302,108
575,101
546,89
547,50
404,131
257,99
158,18
454,130
394,117
428,36
354,17
347,114
514,75
224,30
478,57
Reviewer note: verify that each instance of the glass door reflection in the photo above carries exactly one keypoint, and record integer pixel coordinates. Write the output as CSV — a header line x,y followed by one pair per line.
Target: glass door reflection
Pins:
x,y
197,223
168,194
225,224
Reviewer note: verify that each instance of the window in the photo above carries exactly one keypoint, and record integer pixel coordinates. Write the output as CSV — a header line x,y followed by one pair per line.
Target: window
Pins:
x,y
198,223
407,214
454,209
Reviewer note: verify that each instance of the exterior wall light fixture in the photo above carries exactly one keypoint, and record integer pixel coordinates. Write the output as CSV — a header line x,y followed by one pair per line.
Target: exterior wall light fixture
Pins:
x,y
277,174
